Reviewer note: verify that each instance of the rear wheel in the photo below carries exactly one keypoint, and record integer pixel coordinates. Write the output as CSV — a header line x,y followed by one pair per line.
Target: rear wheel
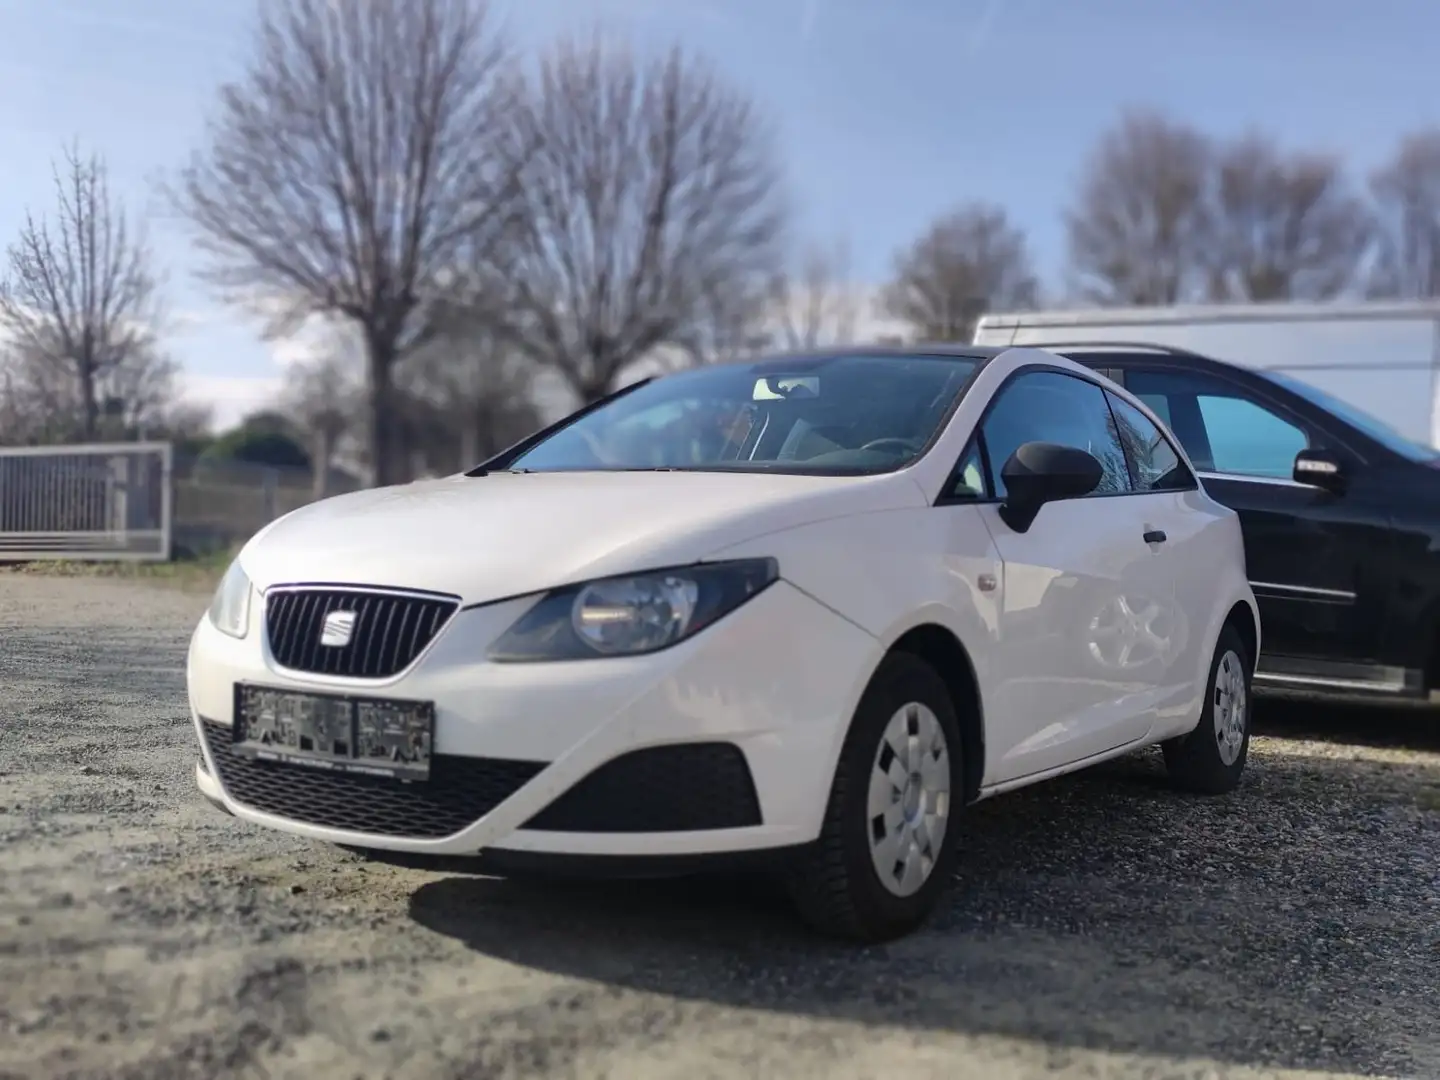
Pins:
x,y
887,847
1210,759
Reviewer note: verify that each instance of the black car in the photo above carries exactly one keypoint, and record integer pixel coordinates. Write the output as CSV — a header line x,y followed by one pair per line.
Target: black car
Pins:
x,y
1341,517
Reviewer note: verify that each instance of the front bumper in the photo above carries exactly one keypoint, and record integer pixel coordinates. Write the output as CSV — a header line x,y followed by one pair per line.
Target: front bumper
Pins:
x,y
532,757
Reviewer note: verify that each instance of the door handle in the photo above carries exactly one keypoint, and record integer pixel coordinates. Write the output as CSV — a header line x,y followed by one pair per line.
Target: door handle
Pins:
x,y
1155,536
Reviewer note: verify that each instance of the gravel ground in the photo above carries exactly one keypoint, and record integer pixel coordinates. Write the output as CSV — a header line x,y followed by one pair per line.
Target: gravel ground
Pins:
x,y
1103,927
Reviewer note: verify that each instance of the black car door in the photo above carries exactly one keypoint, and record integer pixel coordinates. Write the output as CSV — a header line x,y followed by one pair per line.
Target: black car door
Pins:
x,y
1320,563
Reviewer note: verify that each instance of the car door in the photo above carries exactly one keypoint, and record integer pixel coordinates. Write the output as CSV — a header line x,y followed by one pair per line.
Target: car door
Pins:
x,y
1064,686
1318,565
1182,519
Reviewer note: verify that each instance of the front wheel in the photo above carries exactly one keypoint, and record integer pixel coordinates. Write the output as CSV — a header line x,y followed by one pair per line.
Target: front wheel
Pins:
x,y
887,847
1210,759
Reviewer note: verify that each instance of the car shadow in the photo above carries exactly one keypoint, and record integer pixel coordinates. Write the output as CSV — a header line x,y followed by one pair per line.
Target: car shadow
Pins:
x,y
1099,911
1405,727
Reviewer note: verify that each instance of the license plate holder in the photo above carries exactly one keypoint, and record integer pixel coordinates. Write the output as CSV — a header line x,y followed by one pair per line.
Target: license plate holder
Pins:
x,y
383,737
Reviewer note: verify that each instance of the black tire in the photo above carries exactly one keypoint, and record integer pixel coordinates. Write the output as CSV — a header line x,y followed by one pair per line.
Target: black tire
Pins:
x,y
835,884
1197,762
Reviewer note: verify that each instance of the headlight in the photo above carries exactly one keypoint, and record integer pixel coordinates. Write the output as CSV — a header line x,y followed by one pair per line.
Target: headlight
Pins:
x,y
230,610
628,616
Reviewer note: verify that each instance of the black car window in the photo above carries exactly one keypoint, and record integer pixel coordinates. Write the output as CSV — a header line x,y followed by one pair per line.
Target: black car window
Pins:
x,y
1374,427
1222,428
1154,464
1048,406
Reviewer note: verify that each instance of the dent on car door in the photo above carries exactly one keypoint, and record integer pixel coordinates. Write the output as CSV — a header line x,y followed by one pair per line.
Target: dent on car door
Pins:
x,y
1318,567
1070,676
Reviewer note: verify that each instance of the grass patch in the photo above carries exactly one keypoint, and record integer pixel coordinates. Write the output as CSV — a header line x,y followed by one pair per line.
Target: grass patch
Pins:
x,y
199,572
1429,799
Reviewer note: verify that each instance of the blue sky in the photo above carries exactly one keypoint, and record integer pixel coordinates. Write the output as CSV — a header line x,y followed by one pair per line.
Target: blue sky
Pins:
x,y
890,111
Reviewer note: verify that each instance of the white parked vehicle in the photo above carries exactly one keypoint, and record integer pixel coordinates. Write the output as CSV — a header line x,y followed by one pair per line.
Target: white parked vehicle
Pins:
x,y
799,611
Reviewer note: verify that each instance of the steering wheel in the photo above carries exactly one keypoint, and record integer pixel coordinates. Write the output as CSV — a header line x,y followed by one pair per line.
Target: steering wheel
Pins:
x,y
903,446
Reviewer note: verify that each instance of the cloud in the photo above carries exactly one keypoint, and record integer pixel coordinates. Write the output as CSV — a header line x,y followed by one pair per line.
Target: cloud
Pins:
x,y
185,322
231,396
809,16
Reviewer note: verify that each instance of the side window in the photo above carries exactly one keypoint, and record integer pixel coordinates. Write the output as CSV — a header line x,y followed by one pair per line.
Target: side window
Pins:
x,y
1154,464
969,479
1221,427
1047,406
1249,439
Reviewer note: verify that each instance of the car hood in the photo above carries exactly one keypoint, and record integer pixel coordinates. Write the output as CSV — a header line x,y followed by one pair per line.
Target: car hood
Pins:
x,y
484,538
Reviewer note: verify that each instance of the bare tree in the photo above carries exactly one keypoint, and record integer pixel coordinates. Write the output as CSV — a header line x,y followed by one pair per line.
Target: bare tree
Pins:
x,y
969,260
650,206
1140,230
1407,201
44,402
1286,226
347,170
322,396
475,383
815,303
137,397
79,300
730,322
37,401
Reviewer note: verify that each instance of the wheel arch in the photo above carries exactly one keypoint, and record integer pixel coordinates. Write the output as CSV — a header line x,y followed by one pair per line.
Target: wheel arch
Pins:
x,y
939,647
1246,621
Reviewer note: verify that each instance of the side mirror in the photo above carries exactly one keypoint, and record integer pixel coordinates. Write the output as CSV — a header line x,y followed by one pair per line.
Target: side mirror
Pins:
x,y
1038,473
1319,468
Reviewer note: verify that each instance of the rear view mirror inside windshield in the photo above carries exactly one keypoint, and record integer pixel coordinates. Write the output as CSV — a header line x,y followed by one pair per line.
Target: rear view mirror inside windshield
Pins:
x,y
778,387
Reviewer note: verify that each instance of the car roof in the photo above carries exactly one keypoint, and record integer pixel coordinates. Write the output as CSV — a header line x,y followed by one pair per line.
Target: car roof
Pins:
x,y
899,352
1099,353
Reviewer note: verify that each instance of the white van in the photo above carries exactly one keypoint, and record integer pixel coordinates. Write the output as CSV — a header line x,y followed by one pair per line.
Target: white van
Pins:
x,y
1383,358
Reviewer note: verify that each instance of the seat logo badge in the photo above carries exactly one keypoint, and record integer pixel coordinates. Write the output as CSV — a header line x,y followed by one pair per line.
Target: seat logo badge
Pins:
x,y
336,630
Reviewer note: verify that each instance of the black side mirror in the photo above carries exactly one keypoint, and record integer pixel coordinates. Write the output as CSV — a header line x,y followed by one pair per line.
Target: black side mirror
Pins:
x,y
1320,468
1038,473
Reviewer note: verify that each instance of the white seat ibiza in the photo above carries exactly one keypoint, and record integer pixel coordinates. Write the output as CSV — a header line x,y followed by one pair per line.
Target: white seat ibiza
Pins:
x,y
797,612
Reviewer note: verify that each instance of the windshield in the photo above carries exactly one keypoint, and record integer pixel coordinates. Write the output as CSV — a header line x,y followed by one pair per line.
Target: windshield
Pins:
x,y
832,415
1377,429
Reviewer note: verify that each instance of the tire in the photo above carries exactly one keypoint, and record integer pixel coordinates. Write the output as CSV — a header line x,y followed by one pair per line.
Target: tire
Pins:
x,y
836,884
1210,759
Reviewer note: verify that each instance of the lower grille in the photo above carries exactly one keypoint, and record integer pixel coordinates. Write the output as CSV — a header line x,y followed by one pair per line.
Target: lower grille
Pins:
x,y
460,791
690,787
387,631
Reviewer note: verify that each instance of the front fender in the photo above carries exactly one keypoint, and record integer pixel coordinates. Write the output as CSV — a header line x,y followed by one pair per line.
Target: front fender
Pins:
x,y
891,571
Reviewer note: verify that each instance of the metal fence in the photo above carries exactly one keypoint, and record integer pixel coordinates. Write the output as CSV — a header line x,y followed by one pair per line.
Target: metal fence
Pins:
x,y
91,501
139,501
222,503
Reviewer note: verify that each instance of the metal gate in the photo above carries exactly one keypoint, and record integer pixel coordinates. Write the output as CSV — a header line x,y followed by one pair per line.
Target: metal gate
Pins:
x,y
88,501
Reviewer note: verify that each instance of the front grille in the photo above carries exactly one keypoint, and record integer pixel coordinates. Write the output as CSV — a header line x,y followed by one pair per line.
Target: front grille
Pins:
x,y
687,787
390,630
460,791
